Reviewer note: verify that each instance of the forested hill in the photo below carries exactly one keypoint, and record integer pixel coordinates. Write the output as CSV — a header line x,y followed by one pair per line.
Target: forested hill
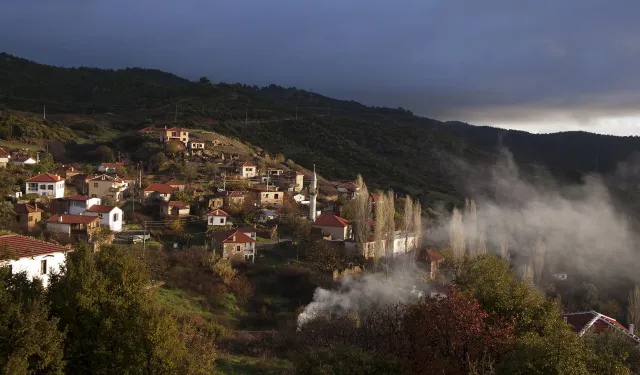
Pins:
x,y
390,147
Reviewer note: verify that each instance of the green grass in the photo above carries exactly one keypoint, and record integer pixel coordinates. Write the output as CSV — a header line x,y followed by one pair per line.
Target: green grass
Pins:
x,y
181,302
15,144
243,365
261,240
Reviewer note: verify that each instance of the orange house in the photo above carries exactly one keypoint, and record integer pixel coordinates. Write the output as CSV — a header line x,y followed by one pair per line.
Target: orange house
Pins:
x,y
179,134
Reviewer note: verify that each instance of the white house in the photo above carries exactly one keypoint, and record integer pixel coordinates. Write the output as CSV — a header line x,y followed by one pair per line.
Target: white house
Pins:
x,y
37,259
266,215
337,227
218,218
79,204
110,216
110,167
248,170
22,161
300,198
45,184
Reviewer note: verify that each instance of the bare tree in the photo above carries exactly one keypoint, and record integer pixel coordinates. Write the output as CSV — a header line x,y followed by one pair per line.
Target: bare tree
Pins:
x,y
456,235
527,273
481,244
390,226
417,224
380,228
539,251
408,221
504,251
633,310
471,226
362,214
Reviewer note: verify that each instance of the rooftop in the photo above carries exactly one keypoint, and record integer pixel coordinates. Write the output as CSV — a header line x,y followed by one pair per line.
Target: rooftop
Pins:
x,y
160,188
331,221
23,208
232,236
217,213
26,247
177,204
72,219
174,182
592,321
112,165
101,208
46,177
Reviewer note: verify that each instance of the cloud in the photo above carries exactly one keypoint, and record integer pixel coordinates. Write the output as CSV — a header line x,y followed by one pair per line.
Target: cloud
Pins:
x,y
488,62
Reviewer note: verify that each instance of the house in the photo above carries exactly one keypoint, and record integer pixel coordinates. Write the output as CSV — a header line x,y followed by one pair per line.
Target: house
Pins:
x,y
337,227
37,259
300,198
213,202
328,191
72,228
4,158
110,216
274,171
175,208
28,215
249,231
234,245
268,196
149,130
179,134
266,215
23,161
433,260
347,190
291,181
594,322
218,218
68,172
110,167
108,188
176,185
195,145
78,205
47,184
158,192
248,170
233,199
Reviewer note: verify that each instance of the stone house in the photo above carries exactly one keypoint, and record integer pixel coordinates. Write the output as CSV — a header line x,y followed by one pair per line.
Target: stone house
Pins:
x,y
234,245
28,216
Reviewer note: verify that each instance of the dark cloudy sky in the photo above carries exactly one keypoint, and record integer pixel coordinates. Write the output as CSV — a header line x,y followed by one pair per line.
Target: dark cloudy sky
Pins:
x,y
541,65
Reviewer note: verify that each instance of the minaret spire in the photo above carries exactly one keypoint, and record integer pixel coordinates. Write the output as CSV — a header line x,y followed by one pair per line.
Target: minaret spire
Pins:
x,y
313,192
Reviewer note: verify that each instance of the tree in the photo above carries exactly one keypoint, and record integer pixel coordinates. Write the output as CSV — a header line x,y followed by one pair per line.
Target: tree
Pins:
x,y
279,158
204,80
30,342
633,309
417,223
45,164
211,169
105,154
173,148
107,306
326,258
7,214
456,236
471,226
361,214
189,172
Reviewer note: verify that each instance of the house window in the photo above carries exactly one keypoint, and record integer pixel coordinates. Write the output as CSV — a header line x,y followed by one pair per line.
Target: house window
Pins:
x,y
49,187
43,267
266,195
221,220
33,186
100,216
43,187
174,134
275,196
238,248
115,217
95,184
30,218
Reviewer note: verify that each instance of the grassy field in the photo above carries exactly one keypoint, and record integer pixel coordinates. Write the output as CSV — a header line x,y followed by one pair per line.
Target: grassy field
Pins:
x,y
180,302
15,144
243,365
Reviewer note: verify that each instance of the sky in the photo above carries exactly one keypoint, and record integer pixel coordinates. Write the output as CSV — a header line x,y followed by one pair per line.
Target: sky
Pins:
x,y
542,66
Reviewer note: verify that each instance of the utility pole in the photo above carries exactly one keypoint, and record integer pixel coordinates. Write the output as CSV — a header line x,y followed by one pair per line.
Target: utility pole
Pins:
x,y
44,112
144,236
246,115
224,181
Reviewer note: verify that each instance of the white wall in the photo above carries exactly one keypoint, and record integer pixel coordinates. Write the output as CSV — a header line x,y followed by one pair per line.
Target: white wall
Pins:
x,y
57,190
217,220
108,220
249,172
336,233
79,207
32,266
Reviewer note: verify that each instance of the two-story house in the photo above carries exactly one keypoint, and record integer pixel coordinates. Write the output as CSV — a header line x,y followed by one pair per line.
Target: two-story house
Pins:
x,y
110,216
28,215
174,133
248,170
72,228
156,192
234,245
218,218
107,187
339,228
47,184
110,167
37,259
268,196
79,204
68,172
291,181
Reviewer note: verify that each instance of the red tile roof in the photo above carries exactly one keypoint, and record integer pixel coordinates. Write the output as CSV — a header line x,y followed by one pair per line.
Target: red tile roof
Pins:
x,y
331,221
160,188
3,153
217,213
23,208
112,165
247,230
24,247
174,182
45,177
177,204
595,322
79,198
148,129
174,129
432,256
73,219
248,164
101,208
232,236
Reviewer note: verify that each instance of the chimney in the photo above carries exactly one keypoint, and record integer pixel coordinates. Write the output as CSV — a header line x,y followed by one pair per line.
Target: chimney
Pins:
x,y
632,328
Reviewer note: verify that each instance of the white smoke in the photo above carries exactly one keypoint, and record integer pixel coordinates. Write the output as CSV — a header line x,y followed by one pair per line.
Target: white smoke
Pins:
x,y
358,294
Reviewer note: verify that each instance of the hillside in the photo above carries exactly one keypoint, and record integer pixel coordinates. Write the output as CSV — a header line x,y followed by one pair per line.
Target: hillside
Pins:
x,y
390,147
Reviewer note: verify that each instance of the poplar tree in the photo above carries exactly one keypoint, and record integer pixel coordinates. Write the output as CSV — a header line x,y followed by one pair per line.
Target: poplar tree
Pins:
x,y
456,235
362,214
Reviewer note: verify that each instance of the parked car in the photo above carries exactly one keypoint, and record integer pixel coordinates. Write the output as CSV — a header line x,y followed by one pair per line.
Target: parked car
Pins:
x,y
139,238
